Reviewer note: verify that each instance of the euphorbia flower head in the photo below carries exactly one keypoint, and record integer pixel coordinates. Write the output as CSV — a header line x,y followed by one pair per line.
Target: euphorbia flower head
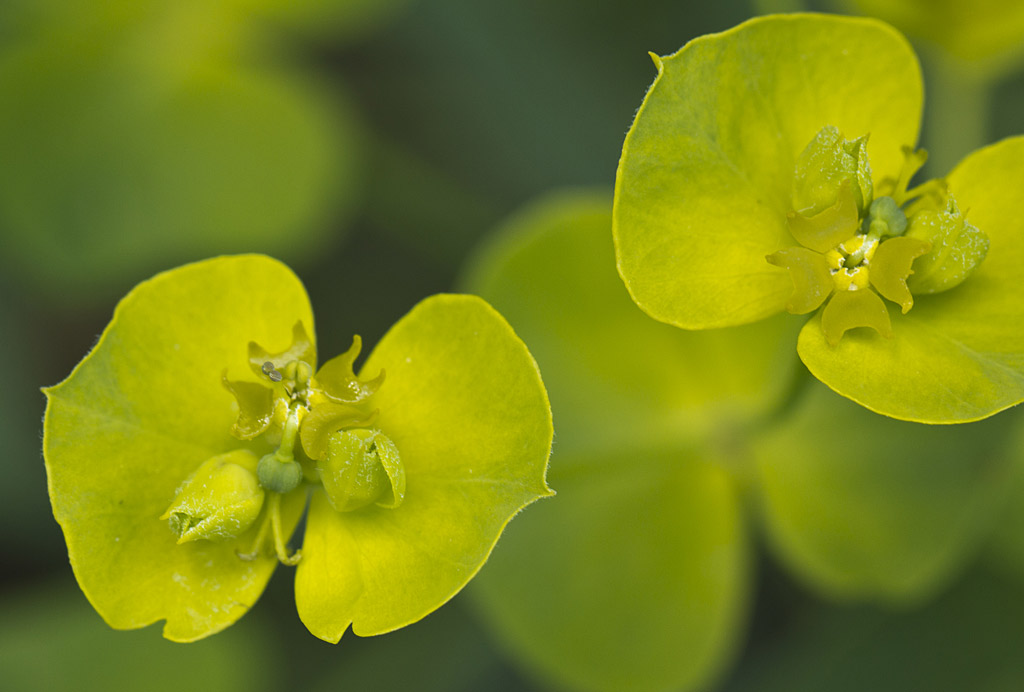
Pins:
x,y
183,450
769,170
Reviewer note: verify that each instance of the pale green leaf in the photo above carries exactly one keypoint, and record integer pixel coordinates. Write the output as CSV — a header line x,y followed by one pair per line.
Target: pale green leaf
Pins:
x,y
956,356
464,405
705,179
860,506
138,415
612,372
635,576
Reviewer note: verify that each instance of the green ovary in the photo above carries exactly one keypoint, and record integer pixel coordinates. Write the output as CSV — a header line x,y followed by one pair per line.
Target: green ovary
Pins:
x,y
854,247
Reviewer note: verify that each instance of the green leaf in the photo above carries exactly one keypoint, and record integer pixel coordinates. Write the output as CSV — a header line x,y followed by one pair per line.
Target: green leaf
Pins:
x,y
50,639
957,356
1006,550
636,575
864,507
612,372
989,34
143,411
466,409
123,147
706,175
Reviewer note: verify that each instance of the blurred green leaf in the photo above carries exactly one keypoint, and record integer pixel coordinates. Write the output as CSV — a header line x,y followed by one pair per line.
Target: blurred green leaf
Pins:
x,y
860,506
635,577
50,639
988,35
148,139
1006,550
614,374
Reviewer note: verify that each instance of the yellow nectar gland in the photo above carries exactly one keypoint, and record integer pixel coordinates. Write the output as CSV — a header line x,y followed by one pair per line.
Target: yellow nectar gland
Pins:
x,y
848,262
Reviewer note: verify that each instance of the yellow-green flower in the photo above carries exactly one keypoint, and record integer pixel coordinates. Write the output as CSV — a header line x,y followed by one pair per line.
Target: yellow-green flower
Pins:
x,y
178,486
769,169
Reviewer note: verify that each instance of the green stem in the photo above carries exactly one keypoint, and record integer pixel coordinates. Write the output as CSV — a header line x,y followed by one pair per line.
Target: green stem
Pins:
x,y
279,546
956,114
261,537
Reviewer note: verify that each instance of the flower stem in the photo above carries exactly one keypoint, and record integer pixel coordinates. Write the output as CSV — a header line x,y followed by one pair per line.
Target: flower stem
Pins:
x,y
279,546
957,108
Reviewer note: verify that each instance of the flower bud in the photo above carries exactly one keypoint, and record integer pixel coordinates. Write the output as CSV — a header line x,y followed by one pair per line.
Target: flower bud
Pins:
x,y
823,166
221,500
885,218
361,467
957,248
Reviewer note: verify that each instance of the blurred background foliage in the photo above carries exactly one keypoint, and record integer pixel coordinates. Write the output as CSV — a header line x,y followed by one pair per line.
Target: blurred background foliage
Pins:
x,y
705,534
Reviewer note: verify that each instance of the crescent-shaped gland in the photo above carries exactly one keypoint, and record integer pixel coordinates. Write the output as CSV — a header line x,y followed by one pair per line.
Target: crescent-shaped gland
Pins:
x,y
850,309
255,407
811,274
891,266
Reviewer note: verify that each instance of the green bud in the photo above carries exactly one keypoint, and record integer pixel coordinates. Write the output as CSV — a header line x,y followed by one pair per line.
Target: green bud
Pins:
x,y
957,248
279,476
221,500
823,166
886,219
362,467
